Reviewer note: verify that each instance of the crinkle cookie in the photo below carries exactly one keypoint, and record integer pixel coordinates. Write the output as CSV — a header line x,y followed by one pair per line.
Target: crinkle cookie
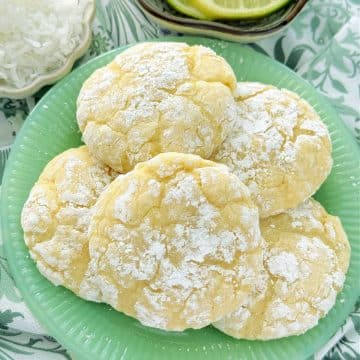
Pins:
x,y
173,241
154,98
56,216
281,149
307,257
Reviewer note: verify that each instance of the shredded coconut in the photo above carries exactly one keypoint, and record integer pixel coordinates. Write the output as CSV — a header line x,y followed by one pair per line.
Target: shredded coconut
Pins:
x,y
37,37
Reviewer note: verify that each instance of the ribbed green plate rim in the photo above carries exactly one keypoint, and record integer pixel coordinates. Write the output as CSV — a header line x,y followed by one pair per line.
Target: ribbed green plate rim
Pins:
x,y
95,331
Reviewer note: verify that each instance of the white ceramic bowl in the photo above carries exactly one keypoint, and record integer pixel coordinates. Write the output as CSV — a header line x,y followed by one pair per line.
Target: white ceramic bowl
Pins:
x,y
10,91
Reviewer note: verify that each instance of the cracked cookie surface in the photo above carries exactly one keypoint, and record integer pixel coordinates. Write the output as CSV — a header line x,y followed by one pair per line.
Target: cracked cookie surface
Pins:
x,y
173,242
280,148
56,216
306,259
154,98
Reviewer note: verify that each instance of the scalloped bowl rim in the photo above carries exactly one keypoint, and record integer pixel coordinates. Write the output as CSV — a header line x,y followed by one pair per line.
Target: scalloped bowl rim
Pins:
x,y
53,76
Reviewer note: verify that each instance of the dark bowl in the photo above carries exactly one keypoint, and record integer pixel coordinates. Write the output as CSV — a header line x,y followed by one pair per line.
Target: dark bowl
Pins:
x,y
236,30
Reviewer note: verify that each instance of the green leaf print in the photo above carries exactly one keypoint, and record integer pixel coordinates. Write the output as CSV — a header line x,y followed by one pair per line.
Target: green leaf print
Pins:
x,y
349,345
278,50
7,317
24,345
10,107
341,59
100,43
21,343
124,23
338,85
12,348
315,22
355,316
310,45
258,48
7,285
294,58
313,74
344,109
327,21
357,132
4,154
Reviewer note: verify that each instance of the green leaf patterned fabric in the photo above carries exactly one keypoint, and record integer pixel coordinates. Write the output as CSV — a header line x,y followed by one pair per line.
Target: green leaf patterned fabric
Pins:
x,y
322,45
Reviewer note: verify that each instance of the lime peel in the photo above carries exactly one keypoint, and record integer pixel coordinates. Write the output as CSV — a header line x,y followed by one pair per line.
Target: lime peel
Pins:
x,y
186,7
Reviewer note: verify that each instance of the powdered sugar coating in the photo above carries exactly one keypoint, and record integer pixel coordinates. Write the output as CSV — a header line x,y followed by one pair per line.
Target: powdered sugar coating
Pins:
x,y
181,254
157,97
306,267
56,216
280,149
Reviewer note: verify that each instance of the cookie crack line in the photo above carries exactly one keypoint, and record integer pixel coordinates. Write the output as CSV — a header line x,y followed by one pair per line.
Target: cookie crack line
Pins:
x,y
162,271
176,241
157,80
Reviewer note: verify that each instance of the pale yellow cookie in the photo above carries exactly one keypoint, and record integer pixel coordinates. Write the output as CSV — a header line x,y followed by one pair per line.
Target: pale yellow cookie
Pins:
x,y
154,98
56,216
307,257
281,149
173,242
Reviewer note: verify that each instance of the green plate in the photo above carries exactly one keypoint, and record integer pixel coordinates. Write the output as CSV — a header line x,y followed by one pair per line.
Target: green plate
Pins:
x,y
95,331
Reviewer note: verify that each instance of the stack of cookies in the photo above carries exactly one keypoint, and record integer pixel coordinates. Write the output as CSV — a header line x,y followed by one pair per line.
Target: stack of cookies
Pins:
x,y
190,203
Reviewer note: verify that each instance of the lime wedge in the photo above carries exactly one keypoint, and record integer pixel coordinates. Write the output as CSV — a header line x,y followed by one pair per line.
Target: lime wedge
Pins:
x,y
238,9
186,7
